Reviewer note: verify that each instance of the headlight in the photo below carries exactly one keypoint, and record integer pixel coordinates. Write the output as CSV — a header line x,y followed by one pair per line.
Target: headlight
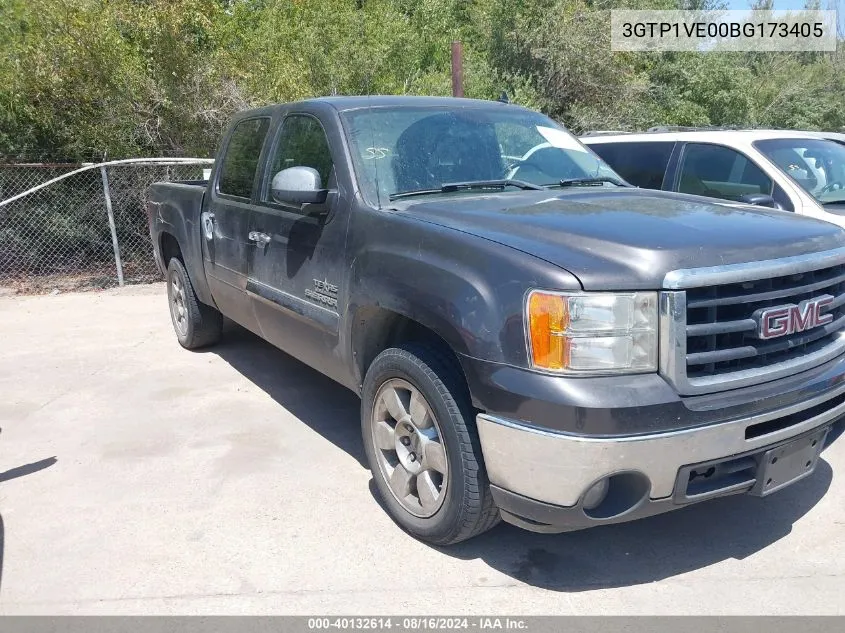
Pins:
x,y
592,333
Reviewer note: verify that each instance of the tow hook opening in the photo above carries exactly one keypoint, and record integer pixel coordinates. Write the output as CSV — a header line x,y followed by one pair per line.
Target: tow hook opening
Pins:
x,y
615,495
714,479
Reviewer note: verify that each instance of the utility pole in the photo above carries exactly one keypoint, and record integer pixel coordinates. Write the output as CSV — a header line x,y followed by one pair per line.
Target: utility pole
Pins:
x,y
457,69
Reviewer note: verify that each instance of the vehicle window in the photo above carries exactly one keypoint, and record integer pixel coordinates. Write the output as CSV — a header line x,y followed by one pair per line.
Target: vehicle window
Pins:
x,y
720,172
302,143
237,172
405,149
641,164
515,140
817,165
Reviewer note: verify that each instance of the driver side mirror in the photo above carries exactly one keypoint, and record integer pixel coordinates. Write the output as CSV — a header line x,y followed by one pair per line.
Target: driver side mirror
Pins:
x,y
298,185
758,200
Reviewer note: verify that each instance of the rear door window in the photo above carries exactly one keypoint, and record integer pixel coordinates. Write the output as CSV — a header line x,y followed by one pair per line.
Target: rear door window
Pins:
x,y
237,171
720,172
643,164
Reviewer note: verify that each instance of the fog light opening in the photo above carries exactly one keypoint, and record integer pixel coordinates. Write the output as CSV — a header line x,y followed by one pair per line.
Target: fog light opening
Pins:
x,y
596,494
615,495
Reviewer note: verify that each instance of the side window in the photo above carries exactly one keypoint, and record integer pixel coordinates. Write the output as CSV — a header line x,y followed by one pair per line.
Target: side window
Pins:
x,y
302,143
237,173
720,172
641,164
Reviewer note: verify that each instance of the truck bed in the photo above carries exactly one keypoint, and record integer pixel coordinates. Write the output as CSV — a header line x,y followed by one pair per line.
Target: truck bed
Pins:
x,y
175,208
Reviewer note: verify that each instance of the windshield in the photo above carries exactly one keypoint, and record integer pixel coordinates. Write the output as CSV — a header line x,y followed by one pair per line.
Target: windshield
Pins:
x,y
817,165
399,149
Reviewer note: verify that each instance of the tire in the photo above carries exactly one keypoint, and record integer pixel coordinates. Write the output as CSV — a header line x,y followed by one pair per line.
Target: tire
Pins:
x,y
463,506
196,324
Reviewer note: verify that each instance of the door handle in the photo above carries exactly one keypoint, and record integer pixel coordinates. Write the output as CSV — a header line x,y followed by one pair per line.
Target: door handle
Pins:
x,y
262,239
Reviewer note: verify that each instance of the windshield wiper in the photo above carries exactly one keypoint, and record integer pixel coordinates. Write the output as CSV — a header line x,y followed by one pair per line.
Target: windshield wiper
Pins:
x,y
587,182
465,186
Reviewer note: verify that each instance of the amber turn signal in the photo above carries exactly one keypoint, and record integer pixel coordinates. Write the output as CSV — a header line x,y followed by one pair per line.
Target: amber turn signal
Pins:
x,y
548,319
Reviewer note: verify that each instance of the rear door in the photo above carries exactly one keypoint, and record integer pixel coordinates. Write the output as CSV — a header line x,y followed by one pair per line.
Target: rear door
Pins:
x,y
227,218
641,163
296,271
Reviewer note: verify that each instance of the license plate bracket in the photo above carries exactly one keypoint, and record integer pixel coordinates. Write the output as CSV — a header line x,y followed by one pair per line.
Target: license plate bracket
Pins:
x,y
785,464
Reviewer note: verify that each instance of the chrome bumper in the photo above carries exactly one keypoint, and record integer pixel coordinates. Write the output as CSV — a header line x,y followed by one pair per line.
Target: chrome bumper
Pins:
x,y
558,468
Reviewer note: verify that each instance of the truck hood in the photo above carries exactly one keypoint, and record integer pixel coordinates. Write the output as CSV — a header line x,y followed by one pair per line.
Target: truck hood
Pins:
x,y
627,239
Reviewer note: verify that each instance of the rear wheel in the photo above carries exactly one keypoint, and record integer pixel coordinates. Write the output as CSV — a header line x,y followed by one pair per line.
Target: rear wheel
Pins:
x,y
422,446
196,324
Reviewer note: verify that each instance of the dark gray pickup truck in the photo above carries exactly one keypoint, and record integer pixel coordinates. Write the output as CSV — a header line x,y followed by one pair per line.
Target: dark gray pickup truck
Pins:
x,y
532,339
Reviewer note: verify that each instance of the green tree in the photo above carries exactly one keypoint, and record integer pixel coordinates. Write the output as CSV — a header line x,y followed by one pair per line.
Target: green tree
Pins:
x,y
84,79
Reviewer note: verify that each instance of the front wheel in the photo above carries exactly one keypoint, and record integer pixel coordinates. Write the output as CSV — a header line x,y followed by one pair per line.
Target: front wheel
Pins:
x,y
422,446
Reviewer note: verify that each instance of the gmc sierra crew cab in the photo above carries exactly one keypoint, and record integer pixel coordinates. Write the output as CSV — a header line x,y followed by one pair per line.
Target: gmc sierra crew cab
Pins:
x,y
532,339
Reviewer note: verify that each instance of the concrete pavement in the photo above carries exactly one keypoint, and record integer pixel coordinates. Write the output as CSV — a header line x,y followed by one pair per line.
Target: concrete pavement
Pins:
x,y
137,477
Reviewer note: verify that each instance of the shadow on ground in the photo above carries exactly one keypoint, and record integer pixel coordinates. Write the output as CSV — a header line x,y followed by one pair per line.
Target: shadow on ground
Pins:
x,y
650,549
619,555
328,408
14,473
27,469
2,549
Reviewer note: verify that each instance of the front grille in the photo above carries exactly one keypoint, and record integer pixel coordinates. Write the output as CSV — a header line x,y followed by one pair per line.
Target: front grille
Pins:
x,y
721,335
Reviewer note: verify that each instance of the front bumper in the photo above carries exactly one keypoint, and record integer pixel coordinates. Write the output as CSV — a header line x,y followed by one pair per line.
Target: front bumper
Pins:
x,y
540,477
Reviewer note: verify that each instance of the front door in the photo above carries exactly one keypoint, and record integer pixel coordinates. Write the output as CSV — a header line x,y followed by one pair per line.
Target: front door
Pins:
x,y
720,172
296,270
226,220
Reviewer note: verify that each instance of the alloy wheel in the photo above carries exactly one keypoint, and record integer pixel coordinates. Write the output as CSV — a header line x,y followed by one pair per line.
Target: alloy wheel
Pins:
x,y
409,448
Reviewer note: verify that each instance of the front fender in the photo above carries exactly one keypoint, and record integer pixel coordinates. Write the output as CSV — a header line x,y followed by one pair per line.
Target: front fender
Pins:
x,y
446,297
468,290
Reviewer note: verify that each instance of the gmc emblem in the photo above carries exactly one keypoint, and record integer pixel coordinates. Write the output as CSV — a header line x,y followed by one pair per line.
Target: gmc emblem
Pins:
x,y
790,319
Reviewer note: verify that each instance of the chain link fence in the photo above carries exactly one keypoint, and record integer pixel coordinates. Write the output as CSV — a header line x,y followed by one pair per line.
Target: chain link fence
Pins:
x,y
75,227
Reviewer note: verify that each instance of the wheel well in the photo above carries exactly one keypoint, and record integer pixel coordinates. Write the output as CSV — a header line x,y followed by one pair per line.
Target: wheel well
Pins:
x,y
378,329
170,249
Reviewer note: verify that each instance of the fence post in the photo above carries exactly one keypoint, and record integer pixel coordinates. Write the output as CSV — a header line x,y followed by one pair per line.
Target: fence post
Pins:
x,y
107,193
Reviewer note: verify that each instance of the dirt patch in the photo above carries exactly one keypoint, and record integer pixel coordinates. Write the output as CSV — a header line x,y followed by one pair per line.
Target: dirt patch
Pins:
x,y
92,280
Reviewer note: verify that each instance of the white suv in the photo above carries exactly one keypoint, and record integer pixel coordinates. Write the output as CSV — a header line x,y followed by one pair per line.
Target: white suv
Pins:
x,y
793,171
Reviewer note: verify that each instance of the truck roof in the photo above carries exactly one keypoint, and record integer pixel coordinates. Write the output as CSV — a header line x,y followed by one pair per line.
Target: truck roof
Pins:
x,y
342,103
